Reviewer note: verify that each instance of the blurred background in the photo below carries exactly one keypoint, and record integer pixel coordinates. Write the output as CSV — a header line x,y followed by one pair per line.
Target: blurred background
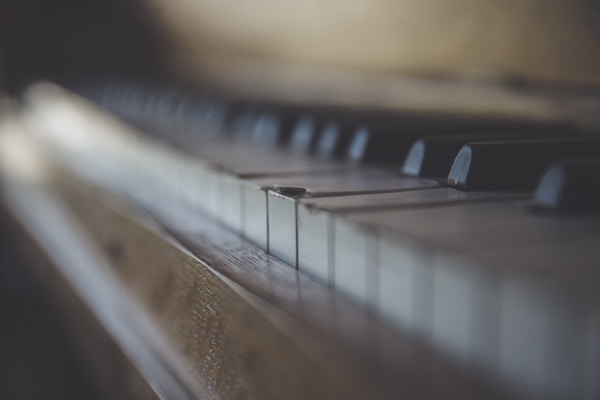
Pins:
x,y
67,40
63,41
37,359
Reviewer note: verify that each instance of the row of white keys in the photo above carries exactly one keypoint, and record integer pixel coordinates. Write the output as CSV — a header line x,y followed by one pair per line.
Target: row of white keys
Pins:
x,y
233,181
255,206
486,282
282,201
546,321
316,233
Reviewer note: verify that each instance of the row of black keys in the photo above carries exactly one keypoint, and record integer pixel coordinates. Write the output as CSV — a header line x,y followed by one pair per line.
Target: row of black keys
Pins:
x,y
470,153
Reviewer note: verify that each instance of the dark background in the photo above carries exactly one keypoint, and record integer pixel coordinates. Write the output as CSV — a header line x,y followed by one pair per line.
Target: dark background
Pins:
x,y
37,360
66,41
71,40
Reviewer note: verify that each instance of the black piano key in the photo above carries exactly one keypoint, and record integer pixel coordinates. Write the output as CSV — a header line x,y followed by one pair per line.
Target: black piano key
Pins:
x,y
432,156
242,122
387,139
163,113
272,128
200,117
385,146
570,186
513,165
266,128
196,118
214,117
382,138
317,131
338,131
335,133
334,139
129,100
304,134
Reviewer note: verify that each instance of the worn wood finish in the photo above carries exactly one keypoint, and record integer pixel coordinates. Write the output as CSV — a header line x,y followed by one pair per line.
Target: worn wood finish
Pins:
x,y
113,374
248,326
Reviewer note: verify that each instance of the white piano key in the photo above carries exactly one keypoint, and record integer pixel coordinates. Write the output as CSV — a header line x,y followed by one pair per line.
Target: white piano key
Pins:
x,y
523,344
176,182
485,289
150,162
354,263
197,188
254,214
230,201
405,284
591,389
163,170
282,226
465,310
566,330
211,191
315,239
452,317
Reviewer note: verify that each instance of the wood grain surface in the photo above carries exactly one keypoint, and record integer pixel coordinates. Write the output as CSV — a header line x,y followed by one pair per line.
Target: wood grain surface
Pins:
x,y
101,358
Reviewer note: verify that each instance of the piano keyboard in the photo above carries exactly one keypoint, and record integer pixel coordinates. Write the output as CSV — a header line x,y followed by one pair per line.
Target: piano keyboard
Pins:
x,y
452,229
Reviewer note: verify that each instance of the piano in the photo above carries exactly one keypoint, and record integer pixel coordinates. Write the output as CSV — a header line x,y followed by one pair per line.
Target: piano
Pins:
x,y
368,200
